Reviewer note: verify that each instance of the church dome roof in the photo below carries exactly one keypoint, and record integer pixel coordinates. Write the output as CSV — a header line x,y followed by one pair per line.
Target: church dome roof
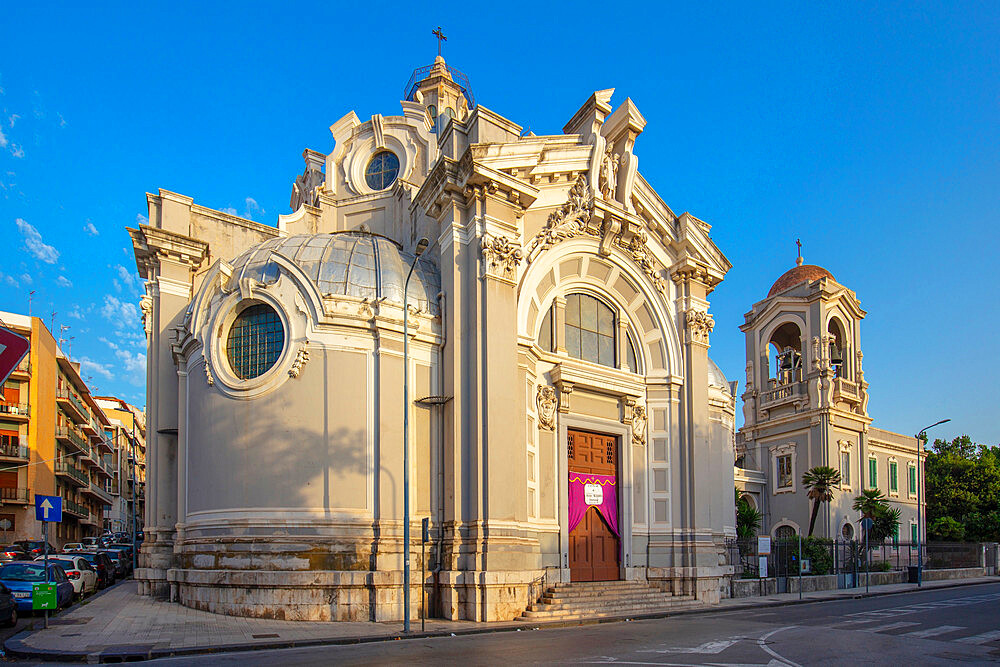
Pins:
x,y
359,264
716,378
803,273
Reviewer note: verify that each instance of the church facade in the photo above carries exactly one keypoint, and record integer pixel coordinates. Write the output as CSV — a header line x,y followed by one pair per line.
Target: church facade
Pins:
x,y
564,420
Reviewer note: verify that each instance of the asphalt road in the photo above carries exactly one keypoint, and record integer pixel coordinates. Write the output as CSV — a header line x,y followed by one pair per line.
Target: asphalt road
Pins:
x,y
925,628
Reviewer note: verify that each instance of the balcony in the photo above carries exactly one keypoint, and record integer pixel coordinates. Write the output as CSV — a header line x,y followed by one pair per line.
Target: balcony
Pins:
x,y
845,390
104,443
95,490
90,428
72,405
784,393
14,411
70,435
71,473
89,456
13,496
23,370
14,450
75,509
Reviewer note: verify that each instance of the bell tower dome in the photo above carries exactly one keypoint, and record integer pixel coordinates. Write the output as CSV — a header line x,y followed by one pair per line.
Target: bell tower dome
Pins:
x,y
443,90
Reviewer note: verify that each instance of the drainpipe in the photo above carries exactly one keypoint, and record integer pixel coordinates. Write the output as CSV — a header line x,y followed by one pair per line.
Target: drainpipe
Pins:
x,y
442,301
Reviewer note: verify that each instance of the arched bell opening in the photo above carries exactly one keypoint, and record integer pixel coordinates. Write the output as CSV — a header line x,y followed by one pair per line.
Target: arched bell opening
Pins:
x,y
786,345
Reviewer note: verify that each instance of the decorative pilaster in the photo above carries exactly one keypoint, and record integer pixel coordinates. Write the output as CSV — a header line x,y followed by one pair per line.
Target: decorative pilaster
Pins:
x,y
699,325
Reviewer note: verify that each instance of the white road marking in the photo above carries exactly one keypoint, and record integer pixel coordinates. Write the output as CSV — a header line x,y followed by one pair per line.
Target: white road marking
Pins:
x,y
711,647
890,626
767,649
933,632
980,639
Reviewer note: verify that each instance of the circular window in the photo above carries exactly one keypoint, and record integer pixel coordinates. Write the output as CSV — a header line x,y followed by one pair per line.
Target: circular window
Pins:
x,y
382,170
255,341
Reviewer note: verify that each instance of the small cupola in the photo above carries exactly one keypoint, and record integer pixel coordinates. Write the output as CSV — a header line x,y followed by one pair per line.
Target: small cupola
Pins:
x,y
443,90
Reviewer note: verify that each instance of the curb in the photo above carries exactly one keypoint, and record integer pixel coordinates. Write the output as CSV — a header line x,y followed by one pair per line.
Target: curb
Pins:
x,y
15,646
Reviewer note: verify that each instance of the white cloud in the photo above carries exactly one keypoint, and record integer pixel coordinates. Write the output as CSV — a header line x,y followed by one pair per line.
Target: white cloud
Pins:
x,y
90,229
3,139
89,366
13,119
140,219
63,281
251,208
62,121
125,276
122,314
26,279
16,151
10,280
34,245
75,313
230,210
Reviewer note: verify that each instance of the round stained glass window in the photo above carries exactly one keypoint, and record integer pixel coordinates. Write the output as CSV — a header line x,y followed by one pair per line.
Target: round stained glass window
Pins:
x,y
382,170
255,341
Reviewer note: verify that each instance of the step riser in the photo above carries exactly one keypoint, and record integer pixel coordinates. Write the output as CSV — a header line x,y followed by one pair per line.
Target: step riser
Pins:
x,y
572,615
583,600
610,604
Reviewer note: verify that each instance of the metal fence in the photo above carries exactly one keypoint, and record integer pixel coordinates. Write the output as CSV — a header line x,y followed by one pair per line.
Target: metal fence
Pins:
x,y
846,558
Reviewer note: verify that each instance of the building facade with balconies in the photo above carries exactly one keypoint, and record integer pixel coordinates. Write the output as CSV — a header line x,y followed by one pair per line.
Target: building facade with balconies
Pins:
x,y
51,441
806,405
127,433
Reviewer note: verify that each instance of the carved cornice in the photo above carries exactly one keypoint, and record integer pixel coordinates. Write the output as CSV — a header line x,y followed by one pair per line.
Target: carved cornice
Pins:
x,y
152,245
501,257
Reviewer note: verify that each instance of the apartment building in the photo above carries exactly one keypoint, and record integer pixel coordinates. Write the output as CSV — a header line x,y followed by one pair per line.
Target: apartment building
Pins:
x,y
126,432
52,442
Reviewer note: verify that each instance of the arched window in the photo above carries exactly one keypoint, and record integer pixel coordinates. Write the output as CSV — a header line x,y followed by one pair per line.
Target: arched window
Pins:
x,y
787,344
784,532
838,347
256,339
590,329
631,360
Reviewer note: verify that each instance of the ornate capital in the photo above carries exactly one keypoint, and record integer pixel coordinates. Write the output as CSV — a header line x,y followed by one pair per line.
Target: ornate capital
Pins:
x,y
546,403
699,326
501,257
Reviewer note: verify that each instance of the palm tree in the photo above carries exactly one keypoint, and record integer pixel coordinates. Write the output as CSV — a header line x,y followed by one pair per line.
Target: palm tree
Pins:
x,y
820,481
869,502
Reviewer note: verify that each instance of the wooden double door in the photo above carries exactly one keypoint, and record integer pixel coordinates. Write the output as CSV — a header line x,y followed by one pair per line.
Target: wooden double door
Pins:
x,y
594,550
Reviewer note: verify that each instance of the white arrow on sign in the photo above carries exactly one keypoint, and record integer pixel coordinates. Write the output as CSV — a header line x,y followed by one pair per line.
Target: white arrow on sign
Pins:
x,y
46,506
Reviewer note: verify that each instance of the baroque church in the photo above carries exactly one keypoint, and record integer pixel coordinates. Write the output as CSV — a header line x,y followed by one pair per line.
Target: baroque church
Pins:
x,y
521,321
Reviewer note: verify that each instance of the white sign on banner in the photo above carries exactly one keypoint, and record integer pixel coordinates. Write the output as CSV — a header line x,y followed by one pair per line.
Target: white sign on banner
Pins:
x,y
762,566
763,545
593,494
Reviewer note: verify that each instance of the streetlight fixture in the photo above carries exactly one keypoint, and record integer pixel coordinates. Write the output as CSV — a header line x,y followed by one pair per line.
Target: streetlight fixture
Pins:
x,y
421,246
921,438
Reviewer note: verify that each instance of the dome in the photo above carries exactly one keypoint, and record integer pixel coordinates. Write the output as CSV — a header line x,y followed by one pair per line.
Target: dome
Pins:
x,y
802,273
716,378
357,264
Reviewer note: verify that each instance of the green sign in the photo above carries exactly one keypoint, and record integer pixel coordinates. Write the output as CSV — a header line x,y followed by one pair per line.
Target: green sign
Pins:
x,y
43,596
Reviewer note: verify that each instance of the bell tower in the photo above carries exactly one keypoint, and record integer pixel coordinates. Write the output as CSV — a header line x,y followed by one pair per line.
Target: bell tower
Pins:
x,y
805,402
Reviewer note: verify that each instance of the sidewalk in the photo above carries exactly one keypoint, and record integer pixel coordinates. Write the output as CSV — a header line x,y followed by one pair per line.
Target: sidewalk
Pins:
x,y
120,625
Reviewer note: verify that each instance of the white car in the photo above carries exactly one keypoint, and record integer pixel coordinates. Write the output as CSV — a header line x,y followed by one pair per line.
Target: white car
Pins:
x,y
72,546
81,573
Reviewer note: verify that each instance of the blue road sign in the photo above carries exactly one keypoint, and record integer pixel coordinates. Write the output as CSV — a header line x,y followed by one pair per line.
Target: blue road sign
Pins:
x,y
48,508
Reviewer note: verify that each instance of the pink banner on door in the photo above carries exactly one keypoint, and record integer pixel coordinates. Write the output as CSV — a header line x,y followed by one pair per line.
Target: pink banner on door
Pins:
x,y
600,491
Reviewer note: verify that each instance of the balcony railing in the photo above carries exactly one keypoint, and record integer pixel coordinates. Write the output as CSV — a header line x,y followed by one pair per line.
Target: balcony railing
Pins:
x,y
14,409
78,410
846,389
23,368
75,508
63,468
13,495
70,434
97,491
782,393
14,450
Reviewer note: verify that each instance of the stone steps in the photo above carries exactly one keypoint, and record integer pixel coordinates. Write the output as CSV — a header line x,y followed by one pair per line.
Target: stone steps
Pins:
x,y
585,600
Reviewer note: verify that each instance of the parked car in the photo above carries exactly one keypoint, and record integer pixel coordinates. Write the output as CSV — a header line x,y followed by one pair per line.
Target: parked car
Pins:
x,y
89,542
8,607
79,570
20,576
70,547
34,547
126,551
12,552
102,565
118,560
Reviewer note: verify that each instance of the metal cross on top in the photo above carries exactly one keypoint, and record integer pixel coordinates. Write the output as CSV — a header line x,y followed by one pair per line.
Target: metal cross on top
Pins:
x,y
440,37
798,243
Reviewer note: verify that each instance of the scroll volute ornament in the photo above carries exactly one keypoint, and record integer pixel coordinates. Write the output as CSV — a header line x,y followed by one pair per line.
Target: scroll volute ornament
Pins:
x,y
546,402
569,220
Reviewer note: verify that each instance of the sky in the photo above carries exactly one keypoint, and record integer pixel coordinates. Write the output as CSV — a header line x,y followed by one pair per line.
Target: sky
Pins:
x,y
871,131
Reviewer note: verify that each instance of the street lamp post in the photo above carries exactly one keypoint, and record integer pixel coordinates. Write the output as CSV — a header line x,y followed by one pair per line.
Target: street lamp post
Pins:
x,y
421,246
921,441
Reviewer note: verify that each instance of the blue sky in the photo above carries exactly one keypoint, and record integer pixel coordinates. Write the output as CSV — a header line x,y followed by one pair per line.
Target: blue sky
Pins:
x,y
871,132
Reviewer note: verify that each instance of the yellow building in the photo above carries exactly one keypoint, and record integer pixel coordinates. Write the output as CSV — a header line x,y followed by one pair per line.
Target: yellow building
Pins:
x,y
52,442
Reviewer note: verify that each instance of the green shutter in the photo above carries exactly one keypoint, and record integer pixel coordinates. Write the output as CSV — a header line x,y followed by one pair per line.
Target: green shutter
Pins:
x,y
872,473
913,532
913,479
893,477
